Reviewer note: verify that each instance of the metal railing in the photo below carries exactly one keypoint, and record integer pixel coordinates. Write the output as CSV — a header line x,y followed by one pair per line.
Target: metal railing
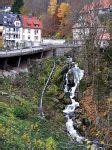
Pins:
x,y
29,50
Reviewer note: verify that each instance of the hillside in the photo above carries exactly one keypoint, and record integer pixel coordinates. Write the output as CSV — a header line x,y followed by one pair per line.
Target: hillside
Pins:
x,y
20,123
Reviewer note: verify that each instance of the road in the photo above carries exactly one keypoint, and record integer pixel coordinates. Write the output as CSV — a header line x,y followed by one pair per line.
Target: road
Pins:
x,y
26,51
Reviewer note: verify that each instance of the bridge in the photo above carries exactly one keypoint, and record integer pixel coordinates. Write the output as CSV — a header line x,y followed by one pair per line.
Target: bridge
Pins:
x,y
16,57
32,50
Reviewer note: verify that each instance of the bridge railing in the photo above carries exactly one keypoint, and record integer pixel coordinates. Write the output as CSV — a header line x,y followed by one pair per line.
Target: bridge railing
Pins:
x,y
29,50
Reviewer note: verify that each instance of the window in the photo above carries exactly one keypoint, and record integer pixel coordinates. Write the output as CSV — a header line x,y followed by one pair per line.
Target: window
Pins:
x,y
28,30
28,37
36,37
17,24
7,29
36,26
16,36
36,31
9,36
5,19
16,29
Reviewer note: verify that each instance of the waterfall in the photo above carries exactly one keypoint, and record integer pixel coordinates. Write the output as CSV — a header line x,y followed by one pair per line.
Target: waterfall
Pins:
x,y
69,109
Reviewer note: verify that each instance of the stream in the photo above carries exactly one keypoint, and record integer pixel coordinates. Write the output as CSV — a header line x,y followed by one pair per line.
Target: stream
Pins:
x,y
70,109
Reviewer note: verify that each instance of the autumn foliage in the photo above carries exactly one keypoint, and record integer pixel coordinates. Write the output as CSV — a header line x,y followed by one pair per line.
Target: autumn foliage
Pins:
x,y
63,10
52,7
56,21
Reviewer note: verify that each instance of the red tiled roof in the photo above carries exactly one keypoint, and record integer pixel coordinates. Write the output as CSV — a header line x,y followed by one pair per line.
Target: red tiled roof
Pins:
x,y
31,21
97,4
105,36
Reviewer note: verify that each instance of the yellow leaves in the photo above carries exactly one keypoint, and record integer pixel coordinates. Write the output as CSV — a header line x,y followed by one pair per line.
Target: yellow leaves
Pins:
x,y
50,144
52,7
63,10
110,100
26,138
34,126
39,143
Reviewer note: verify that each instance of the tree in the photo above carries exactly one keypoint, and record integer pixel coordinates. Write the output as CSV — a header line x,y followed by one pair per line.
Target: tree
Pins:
x,y
37,7
24,10
52,7
63,10
17,6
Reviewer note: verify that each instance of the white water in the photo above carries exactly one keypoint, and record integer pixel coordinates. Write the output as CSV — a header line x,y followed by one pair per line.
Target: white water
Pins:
x,y
78,75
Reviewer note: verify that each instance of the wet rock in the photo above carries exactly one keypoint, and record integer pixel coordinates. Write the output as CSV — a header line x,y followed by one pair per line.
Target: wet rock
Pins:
x,y
86,122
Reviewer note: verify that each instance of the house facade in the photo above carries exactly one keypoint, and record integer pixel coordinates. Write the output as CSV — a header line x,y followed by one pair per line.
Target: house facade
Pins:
x,y
12,30
1,38
5,9
1,31
91,19
18,31
32,30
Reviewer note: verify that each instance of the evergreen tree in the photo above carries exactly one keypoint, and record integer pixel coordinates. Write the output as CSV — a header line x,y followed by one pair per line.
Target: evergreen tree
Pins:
x,y
17,6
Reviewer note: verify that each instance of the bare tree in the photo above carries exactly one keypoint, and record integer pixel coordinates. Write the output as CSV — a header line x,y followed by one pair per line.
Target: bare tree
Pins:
x,y
89,31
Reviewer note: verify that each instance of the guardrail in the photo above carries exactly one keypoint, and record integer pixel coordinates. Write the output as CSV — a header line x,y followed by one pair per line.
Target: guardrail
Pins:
x,y
30,50
19,52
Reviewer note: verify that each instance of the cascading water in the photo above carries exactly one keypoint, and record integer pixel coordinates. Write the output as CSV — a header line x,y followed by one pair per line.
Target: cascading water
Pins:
x,y
77,76
69,110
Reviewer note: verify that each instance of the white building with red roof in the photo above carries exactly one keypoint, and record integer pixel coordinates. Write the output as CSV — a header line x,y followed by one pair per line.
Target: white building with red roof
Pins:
x,y
17,31
32,31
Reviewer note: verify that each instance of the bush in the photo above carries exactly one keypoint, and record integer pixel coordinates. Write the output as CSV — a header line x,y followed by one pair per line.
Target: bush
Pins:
x,y
21,112
3,107
50,144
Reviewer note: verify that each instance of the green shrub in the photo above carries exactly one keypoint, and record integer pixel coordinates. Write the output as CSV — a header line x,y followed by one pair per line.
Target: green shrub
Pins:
x,y
50,144
21,112
3,107
3,120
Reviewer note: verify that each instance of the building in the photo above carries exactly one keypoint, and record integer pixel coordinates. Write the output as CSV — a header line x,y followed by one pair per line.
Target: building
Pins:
x,y
18,31
5,9
79,32
6,5
12,30
90,19
32,30
1,30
